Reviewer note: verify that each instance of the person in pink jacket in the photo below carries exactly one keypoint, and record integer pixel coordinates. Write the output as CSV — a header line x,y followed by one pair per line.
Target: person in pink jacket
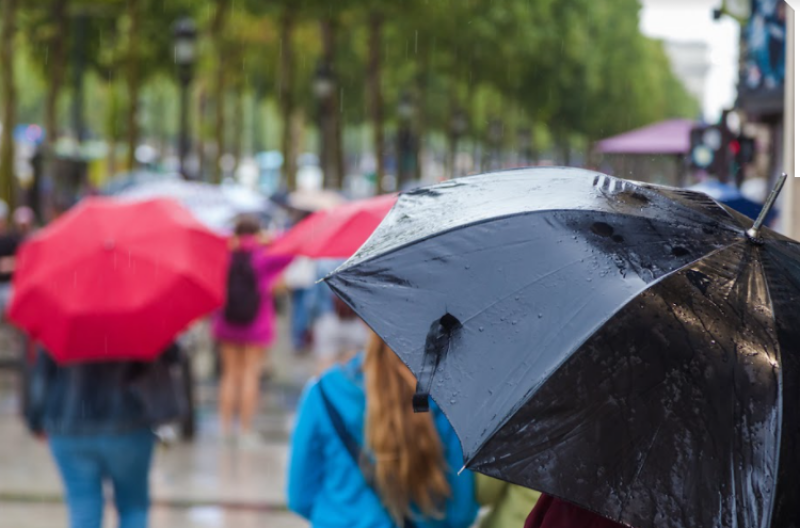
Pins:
x,y
245,328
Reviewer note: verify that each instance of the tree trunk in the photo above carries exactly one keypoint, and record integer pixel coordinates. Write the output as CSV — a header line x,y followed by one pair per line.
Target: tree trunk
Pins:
x,y
9,99
219,123
160,108
217,27
238,125
255,140
588,154
202,144
566,152
113,128
375,94
296,136
331,133
134,84
469,104
452,152
286,99
56,62
452,141
423,61
338,148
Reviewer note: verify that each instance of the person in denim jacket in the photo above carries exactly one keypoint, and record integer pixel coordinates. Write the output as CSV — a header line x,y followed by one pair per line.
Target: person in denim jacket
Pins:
x,y
99,430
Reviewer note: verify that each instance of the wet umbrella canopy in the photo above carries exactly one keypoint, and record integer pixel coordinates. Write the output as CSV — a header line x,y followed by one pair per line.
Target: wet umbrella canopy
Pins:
x,y
623,346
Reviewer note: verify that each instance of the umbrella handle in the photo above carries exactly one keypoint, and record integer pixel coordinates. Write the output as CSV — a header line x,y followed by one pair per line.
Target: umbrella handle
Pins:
x,y
437,345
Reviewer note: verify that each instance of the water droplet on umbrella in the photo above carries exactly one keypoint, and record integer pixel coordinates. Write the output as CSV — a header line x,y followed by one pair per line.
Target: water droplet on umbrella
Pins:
x,y
540,316
480,329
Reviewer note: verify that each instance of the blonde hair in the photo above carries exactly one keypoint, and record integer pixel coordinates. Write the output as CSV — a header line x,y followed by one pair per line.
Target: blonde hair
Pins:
x,y
409,460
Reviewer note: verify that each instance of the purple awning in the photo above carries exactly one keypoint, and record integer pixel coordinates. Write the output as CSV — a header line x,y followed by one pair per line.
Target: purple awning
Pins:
x,y
666,137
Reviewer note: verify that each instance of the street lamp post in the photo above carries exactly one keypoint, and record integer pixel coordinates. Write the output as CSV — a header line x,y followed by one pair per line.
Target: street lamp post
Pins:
x,y
185,34
324,84
406,164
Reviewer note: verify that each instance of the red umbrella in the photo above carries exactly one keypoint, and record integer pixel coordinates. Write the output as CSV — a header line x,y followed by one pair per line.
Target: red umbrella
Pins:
x,y
113,280
337,232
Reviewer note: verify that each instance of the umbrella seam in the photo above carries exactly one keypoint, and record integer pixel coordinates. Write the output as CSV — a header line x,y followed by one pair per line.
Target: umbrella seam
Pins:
x,y
347,265
774,494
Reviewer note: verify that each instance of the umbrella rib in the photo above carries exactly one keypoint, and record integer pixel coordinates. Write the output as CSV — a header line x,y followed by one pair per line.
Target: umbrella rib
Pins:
x,y
639,469
655,188
779,374
354,259
593,331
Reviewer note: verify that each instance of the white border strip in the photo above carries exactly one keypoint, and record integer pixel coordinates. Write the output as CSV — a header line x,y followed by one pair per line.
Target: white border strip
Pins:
x,y
790,120
789,223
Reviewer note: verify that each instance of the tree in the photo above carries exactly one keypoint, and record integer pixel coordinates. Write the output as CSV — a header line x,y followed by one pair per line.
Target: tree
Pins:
x,y
217,29
375,92
57,50
286,97
554,66
8,94
133,76
330,122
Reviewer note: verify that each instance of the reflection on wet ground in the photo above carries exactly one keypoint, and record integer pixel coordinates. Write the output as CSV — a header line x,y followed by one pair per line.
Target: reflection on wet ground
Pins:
x,y
49,515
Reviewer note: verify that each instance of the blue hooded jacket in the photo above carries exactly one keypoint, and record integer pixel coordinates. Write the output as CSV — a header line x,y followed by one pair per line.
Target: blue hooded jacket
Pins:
x,y
327,487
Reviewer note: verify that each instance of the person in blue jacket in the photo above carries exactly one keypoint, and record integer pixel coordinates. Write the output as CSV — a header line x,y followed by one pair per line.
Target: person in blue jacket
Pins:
x,y
361,458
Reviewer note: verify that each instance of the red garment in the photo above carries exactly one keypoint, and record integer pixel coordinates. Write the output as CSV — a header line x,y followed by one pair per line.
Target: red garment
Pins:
x,y
550,512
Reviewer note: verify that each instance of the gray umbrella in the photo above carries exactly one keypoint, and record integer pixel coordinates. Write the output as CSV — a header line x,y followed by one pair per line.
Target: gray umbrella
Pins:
x,y
623,346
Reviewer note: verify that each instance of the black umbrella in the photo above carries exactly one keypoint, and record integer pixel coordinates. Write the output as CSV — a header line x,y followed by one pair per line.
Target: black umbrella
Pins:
x,y
624,346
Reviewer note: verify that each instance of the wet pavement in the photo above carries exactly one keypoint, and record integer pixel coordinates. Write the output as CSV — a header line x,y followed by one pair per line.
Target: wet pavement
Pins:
x,y
205,483
50,515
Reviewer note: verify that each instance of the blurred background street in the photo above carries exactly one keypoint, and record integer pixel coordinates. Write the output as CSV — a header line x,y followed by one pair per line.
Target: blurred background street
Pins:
x,y
250,117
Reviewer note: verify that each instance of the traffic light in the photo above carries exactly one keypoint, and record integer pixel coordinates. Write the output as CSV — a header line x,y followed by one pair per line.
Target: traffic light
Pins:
x,y
743,151
719,151
706,144
747,149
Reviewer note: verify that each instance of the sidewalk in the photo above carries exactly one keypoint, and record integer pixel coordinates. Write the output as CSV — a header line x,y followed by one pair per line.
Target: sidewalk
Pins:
x,y
26,515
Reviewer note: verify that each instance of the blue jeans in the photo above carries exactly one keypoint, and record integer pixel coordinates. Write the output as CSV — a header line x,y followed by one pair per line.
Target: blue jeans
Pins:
x,y
300,318
85,462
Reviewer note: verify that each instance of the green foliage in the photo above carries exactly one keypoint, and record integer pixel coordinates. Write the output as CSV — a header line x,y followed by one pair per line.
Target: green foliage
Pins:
x,y
567,68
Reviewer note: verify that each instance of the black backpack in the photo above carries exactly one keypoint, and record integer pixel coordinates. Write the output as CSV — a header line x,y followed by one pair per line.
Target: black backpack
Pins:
x,y
243,298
